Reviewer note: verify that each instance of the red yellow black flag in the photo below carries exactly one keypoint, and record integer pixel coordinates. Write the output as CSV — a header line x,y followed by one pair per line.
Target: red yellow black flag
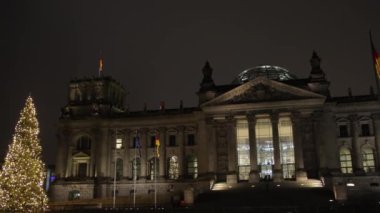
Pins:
x,y
375,56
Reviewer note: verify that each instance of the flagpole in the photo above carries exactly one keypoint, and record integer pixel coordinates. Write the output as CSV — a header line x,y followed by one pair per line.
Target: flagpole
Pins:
x,y
114,181
374,53
155,174
101,64
155,182
135,173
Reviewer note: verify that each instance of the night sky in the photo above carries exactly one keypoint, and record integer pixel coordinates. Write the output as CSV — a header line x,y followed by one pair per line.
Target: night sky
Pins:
x,y
157,49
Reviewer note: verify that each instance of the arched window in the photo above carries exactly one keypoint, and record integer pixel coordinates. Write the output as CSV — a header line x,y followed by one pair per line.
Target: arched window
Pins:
x,y
153,168
345,160
84,143
136,168
192,167
173,170
368,160
119,168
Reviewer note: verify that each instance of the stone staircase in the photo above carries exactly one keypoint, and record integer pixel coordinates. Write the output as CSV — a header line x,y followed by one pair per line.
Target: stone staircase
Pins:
x,y
220,186
310,183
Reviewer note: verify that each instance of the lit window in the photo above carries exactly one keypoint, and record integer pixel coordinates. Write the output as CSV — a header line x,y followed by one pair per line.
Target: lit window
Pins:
x,y
242,147
119,143
192,167
368,160
264,144
153,168
286,147
74,195
173,168
345,160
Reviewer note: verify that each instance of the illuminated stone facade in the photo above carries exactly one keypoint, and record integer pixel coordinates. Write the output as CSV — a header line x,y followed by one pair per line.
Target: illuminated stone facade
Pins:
x,y
257,128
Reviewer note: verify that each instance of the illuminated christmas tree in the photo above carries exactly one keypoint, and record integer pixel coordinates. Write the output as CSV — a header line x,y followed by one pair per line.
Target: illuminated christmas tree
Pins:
x,y
22,175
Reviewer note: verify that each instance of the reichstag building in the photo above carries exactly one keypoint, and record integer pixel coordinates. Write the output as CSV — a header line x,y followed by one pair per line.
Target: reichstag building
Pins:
x,y
267,125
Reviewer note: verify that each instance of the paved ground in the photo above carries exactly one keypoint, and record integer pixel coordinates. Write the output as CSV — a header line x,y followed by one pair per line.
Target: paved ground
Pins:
x,y
264,198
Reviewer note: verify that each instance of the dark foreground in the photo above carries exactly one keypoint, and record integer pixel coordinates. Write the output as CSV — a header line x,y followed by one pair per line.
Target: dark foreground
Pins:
x,y
261,199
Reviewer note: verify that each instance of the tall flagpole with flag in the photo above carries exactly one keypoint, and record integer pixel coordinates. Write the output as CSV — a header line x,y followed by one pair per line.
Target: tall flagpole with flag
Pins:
x,y
157,143
114,178
101,63
376,63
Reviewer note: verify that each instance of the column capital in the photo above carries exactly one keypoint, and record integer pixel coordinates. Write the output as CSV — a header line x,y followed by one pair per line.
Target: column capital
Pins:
x,y
274,117
251,117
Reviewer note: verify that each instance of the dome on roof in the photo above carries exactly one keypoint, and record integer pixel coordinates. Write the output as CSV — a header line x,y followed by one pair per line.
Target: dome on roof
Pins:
x,y
269,71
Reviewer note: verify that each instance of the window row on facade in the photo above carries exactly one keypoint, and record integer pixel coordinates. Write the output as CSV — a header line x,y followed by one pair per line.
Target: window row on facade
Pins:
x,y
363,127
367,159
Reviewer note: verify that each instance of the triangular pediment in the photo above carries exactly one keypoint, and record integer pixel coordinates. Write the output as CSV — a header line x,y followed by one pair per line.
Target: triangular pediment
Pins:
x,y
262,89
80,154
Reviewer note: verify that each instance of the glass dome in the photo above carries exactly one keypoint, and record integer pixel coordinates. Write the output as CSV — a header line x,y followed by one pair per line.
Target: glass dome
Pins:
x,y
269,71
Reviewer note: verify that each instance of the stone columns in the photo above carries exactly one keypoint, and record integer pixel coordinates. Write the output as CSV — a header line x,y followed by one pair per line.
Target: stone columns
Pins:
x,y
211,156
232,150
254,175
277,172
298,146
357,164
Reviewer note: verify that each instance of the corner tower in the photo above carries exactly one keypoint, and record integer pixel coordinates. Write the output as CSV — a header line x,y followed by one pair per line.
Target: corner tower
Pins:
x,y
318,82
207,90
94,96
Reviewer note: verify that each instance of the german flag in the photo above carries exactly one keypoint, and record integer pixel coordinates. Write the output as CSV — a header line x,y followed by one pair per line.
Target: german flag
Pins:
x,y
157,144
375,56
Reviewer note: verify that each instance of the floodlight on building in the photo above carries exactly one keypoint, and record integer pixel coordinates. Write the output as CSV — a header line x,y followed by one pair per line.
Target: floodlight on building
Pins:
x,y
331,200
350,184
278,185
252,186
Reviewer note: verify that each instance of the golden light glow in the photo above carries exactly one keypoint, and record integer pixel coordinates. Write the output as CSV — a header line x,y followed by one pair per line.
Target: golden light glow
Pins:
x,y
377,66
23,173
100,65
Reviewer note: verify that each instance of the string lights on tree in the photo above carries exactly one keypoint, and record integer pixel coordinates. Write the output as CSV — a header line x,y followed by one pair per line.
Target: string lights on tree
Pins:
x,y
22,174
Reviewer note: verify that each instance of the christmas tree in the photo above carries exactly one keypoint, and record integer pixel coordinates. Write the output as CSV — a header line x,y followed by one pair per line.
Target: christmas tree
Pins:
x,y
22,175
